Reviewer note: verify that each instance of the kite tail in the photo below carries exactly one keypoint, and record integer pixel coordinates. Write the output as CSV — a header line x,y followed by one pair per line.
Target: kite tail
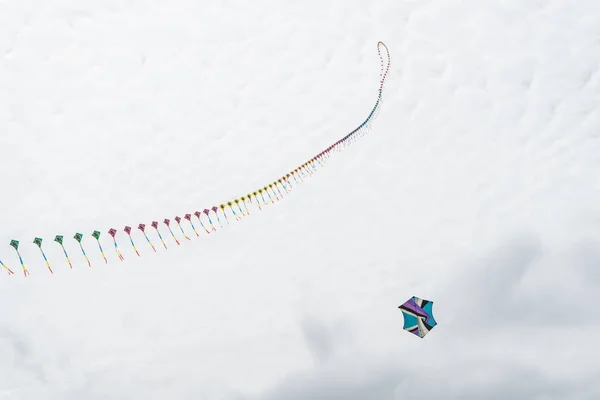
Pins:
x,y
47,263
194,228
294,176
172,234
85,255
182,232
146,236
161,238
246,207
277,187
7,269
117,250
271,187
211,223
219,219
258,202
133,245
201,223
269,194
262,195
102,251
240,208
67,256
237,217
25,272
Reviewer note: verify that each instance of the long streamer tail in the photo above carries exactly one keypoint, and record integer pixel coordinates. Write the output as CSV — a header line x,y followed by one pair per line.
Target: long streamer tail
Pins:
x,y
67,256
146,236
207,231
85,255
182,232
8,270
102,252
161,239
194,228
133,245
117,250
47,263
172,234
25,272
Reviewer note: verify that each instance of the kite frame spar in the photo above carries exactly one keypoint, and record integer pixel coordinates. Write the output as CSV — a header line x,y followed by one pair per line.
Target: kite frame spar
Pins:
x,y
284,182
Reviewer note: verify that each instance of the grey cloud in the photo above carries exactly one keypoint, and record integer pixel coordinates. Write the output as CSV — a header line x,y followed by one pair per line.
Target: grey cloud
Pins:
x,y
495,313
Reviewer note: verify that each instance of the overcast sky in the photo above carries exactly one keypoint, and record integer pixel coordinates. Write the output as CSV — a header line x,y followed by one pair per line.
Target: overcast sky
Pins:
x,y
477,188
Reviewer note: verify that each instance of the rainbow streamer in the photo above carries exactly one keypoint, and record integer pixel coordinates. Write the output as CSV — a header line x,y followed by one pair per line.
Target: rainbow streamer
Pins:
x,y
6,268
189,218
79,238
59,239
113,232
155,226
198,214
38,242
128,231
178,220
142,228
168,224
96,235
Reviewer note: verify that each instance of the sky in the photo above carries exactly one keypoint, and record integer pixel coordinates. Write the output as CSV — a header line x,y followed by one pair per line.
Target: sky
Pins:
x,y
476,187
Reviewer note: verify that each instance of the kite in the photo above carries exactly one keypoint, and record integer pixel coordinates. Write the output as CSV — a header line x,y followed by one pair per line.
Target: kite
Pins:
x,y
79,238
59,239
271,192
112,232
167,222
418,317
189,218
216,211
155,226
142,227
96,236
38,242
198,214
15,244
207,212
128,231
178,220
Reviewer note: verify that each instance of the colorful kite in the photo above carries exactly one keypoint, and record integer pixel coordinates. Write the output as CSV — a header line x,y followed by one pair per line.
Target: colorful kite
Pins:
x,y
128,232
198,214
79,238
142,227
96,236
189,218
418,317
59,239
178,220
112,232
269,193
38,242
155,226
167,222
207,212
15,245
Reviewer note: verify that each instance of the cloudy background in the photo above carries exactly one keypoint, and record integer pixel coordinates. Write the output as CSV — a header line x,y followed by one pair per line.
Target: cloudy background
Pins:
x,y
477,188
